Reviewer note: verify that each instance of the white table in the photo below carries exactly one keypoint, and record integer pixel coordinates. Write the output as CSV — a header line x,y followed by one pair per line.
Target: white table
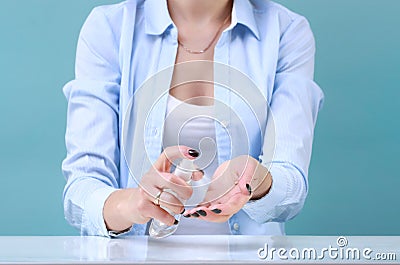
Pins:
x,y
197,250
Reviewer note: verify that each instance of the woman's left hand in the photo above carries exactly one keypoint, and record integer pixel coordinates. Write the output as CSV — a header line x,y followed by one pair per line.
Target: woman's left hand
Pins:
x,y
234,183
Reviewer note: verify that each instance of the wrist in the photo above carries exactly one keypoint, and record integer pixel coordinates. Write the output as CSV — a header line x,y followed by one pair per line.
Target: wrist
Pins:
x,y
261,185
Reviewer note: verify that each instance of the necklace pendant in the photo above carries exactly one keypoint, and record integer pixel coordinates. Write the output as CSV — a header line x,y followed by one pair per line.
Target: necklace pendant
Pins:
x,y
189,50
210,43
197,52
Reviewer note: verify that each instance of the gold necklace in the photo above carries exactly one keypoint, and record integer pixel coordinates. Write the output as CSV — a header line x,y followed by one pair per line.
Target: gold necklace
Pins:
x,y
209,45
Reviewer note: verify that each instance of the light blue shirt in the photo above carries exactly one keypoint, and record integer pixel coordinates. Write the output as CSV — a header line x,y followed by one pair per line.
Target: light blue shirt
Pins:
x,y
122,45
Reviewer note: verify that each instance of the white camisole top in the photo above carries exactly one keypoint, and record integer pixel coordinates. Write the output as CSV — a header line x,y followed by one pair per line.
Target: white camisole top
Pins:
x,y
192,125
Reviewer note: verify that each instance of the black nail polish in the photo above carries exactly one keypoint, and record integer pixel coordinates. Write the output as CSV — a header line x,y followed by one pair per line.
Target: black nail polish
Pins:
x,y
193,153
186,215
248,188
183,210
195,215
217,211
202,213
176,222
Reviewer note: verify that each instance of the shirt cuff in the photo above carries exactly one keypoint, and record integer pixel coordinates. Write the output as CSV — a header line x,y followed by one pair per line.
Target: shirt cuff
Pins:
x,y
115,234
94,209
260,210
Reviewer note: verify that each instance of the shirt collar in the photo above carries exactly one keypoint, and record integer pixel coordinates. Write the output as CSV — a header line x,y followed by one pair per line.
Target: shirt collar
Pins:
x,y
245,16
157,18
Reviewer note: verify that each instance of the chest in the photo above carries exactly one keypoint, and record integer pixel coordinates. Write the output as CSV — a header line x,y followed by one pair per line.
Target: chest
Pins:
x,y
187,76
193,76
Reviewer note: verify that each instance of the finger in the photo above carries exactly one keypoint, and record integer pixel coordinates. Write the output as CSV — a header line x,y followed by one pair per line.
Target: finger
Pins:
x,y
169,201
206,214
151,193
230,207
161,215
233,205
147,209
167,181
204,204
245,188
216,218
174,183
171,153
197,175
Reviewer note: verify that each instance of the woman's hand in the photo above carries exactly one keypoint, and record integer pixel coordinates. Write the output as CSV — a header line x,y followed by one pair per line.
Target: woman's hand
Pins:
x,y
126,207
234,183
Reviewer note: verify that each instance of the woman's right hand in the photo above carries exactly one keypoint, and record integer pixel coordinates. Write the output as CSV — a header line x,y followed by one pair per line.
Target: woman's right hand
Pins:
x,y
126,207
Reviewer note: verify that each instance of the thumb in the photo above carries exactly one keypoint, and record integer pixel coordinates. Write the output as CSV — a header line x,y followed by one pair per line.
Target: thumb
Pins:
x,y
172,153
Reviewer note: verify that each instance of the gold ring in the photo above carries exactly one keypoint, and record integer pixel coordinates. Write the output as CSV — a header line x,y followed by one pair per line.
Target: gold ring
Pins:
x,y
157,198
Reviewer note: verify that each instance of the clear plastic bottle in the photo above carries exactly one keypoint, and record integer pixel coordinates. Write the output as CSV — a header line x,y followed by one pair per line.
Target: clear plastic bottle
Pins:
x,y
157,228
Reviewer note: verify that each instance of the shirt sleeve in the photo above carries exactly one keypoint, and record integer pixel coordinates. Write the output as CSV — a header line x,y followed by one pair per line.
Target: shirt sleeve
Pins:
x,y
295,102
91,167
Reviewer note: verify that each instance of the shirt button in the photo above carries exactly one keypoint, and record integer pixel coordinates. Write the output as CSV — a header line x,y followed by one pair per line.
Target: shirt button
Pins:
x,y
236,226
155,131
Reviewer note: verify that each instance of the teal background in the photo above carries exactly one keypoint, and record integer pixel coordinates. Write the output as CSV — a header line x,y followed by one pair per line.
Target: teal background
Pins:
x,y
354,175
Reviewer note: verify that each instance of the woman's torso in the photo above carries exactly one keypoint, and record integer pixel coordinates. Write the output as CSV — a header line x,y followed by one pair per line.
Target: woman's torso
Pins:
x,y
151,48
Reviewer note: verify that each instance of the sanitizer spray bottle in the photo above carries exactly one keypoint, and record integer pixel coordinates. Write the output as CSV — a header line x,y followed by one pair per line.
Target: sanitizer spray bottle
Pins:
x,y
157,228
